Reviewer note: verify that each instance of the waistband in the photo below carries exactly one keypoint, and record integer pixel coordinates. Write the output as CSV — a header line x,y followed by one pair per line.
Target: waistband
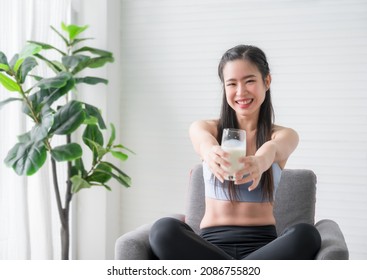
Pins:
x,y
263,228
238,234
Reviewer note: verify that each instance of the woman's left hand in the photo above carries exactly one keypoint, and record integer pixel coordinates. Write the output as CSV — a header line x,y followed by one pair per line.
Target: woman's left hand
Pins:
x,y
251,168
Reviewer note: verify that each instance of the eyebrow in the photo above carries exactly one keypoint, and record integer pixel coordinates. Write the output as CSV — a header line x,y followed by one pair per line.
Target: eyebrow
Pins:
x,y
243,78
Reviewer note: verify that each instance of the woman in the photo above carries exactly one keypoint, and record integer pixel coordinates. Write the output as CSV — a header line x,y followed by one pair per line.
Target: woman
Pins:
x,y
238,222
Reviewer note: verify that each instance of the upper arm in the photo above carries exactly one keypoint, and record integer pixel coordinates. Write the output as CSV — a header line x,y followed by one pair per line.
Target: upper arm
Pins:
x,y
286,141
203,134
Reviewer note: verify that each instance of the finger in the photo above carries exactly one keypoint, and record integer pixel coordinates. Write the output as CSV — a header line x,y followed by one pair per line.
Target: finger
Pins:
x,y
220,157
220,161
243,181
218,172
246,175
219,151
251,164
253,185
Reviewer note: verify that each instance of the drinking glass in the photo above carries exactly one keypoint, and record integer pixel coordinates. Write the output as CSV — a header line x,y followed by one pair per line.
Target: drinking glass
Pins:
x,y
234,143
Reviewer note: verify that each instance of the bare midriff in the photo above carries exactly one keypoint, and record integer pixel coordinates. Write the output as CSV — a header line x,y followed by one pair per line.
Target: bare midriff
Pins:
x,y
227,213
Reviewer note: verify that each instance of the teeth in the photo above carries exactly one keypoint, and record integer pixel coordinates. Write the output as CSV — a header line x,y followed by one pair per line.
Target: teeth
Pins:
x,y
244,102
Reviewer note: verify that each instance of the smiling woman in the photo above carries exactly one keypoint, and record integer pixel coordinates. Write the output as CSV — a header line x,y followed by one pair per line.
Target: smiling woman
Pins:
x,y
240,225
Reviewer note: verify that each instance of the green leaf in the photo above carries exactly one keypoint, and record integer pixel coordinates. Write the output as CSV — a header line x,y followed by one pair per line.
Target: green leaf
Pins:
x,y
59,65
79,166
92,133
47,97
27,158
78,183
54,94
9,83
58,81
3,59
29,50
73,30
67,152
99,174
107,187
119,155
93,63
61,36
28,64
36,101
98,52
123,147
100,61
39,131
54,66
47,47
91,80
71,61
115,168
6,101
4,67
68,118
13,61
18,63
90,120
37,78
94,112
112,137
124,179
97,149
78,40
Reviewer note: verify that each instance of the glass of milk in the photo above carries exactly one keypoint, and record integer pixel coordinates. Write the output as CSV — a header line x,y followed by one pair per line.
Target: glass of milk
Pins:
x,y
234,143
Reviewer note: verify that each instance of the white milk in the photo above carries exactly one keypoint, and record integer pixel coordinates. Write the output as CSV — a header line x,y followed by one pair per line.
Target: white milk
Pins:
x,y
235,149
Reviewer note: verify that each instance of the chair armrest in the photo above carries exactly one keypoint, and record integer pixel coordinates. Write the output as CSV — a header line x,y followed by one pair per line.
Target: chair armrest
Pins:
x,y
333,246
134,245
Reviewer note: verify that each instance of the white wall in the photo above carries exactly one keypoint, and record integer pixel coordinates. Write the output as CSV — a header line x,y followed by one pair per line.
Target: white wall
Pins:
x,y
318,56
96,219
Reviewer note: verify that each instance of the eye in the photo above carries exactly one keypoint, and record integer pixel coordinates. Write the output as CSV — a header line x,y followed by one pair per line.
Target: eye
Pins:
x,y
250,81
230,84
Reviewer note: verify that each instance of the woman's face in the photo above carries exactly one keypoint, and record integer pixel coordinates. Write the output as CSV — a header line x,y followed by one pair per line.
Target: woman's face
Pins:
x,y
244,87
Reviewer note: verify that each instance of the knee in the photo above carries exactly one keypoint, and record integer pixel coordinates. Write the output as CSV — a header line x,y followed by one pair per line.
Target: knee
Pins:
x,y
307,235
310,233
163,230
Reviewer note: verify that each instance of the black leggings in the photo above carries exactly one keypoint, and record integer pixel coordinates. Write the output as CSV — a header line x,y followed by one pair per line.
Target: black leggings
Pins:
x,y
172,239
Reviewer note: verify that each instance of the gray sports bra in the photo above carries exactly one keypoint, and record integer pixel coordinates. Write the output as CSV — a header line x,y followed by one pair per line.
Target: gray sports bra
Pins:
x,y
215,189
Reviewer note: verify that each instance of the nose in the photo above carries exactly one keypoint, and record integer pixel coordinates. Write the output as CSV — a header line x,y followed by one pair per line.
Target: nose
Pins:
x,y
241,89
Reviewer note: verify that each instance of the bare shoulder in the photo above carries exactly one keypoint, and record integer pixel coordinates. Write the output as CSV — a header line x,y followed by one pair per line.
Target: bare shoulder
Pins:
x,y
206,125
282,131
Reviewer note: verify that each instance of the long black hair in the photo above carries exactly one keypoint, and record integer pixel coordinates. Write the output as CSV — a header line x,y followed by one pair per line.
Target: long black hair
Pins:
x,y
228,118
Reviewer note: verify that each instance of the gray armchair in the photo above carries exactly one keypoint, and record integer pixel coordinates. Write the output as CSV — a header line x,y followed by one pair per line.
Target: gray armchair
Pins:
x,y
294,202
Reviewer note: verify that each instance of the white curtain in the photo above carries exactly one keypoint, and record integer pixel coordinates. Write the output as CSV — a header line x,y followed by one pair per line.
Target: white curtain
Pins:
x,y
29,223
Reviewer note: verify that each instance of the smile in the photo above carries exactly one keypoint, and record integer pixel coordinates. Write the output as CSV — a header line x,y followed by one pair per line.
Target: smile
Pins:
x,y
244,102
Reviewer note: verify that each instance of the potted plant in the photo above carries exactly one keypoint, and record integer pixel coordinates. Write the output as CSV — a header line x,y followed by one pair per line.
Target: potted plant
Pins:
x,y
54,113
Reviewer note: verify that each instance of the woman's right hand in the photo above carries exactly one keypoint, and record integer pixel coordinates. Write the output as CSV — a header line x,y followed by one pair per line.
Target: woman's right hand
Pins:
x,y
217,162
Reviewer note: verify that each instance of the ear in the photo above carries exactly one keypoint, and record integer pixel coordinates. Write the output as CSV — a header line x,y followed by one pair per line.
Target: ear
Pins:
x,y
268,82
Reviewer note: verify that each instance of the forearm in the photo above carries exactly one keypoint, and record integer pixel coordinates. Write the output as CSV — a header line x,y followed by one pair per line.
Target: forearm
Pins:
x,y
266,155
278,149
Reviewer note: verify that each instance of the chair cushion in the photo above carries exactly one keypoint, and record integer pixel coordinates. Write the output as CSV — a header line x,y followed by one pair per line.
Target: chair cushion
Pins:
x,y
295,198
195,204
